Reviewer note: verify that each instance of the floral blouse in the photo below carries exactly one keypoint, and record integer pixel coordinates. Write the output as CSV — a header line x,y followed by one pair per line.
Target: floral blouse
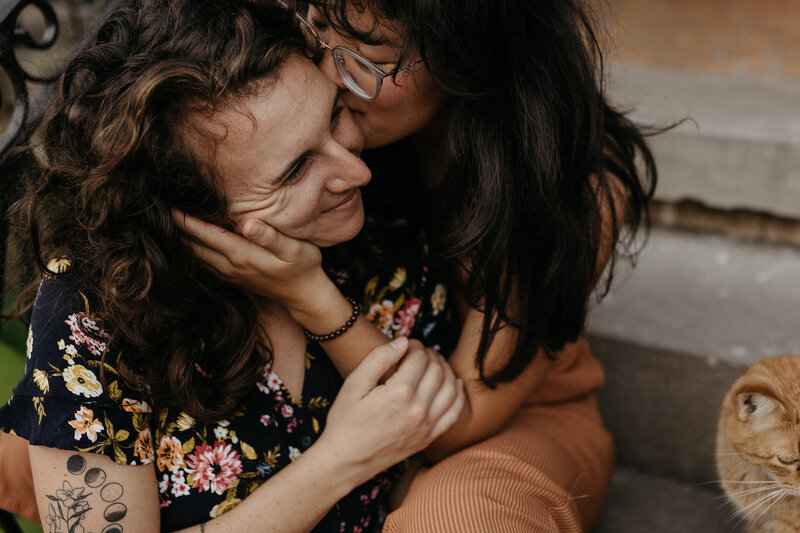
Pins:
x,y
204,470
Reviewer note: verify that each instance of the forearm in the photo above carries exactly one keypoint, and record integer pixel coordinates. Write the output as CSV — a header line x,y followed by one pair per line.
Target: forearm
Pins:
x,y
487,410
295,499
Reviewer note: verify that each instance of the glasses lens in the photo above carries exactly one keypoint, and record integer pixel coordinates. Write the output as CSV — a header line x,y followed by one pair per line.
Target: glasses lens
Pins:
x,y
359,76
313,46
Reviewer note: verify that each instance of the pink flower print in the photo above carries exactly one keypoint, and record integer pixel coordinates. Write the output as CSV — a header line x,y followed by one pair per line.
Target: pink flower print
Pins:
x,y
214,469
407,316
375,491
287,411
267,420
270,381
179,486
86,331
382,315
274,382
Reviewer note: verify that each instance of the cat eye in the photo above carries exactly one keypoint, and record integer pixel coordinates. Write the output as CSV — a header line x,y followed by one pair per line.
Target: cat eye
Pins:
x,y
785,461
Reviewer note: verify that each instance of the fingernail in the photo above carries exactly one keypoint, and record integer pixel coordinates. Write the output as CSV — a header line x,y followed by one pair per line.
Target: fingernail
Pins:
x,y
398,343
253,230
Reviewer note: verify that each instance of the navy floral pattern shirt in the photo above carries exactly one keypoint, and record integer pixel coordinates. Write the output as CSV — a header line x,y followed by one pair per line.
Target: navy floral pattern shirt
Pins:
x,y
204,470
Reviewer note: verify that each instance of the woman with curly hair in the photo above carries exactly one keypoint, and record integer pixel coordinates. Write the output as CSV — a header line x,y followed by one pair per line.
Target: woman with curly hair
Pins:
x,y
488,129
157,396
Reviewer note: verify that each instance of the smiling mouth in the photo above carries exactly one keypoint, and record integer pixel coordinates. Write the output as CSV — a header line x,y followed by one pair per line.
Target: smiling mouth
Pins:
x,y
347,203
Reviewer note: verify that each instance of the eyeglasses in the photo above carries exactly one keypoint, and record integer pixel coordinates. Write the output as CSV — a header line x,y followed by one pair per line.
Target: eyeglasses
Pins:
x,y
363,77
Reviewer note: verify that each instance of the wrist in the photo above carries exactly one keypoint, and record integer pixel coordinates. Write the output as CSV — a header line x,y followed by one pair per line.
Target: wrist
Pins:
x,y
340,465
325,309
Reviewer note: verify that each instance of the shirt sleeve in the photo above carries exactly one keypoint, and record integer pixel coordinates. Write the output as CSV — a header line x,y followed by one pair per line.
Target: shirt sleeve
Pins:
x,y
71,397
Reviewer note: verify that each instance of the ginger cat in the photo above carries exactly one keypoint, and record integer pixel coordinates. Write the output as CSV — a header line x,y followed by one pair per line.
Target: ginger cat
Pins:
x,y
758,445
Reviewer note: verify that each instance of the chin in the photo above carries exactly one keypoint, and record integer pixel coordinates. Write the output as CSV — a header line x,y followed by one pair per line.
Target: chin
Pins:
x,y
342,233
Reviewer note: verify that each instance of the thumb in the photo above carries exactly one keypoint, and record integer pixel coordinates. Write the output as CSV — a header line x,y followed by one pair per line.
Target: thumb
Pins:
x,y
368,373
259,232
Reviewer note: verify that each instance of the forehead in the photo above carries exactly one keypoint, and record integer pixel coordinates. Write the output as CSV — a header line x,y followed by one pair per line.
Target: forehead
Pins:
x,y
263,131
369,24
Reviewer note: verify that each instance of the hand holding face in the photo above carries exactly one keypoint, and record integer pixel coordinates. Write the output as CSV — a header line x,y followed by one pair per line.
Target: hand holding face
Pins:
x,y
375,425
262,260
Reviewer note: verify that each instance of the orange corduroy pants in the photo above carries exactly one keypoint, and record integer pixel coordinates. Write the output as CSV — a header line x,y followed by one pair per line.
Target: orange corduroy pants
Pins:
x,y
548,470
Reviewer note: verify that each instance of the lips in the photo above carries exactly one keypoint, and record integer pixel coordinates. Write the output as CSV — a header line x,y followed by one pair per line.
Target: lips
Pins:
x,y
347,203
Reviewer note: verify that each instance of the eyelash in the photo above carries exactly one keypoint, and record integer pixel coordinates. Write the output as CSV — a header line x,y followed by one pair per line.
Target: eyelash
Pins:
x,y
296,173
302,165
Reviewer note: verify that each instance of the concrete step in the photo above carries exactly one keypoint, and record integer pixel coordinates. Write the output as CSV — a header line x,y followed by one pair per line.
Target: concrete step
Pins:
x,y
740,145
708,296
674,334
640,503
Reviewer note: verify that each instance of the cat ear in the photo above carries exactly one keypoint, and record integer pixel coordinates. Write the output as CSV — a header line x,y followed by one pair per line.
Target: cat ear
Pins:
x,y
754,406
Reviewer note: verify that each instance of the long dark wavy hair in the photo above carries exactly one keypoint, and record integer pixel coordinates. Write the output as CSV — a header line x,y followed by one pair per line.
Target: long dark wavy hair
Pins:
x,y
113,166
534,152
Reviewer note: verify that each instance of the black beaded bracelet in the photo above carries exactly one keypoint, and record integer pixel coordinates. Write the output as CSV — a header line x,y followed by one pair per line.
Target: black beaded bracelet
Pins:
x,y
333,334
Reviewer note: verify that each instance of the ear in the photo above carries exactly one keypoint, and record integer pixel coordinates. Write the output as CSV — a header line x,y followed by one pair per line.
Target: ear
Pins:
x,y
755,407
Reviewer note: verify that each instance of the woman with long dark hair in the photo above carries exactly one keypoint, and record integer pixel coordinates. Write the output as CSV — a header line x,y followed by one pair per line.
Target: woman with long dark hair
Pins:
x,y
156,396
487,126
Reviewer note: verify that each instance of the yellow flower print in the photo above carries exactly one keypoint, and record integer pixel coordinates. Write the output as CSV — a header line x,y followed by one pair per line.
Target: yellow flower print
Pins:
x,y
59,266
294,453
438,299
225,506
81,380
184,422
169,455
398,279
382,315
29,344
86,424
40,378
134,406
143,447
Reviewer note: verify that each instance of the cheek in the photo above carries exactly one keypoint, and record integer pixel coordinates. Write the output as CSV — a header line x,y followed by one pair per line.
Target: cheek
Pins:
x,y
291,211
398,112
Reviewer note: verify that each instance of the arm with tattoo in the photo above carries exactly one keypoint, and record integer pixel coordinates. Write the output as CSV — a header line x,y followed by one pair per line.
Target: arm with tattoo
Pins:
x,y
78,492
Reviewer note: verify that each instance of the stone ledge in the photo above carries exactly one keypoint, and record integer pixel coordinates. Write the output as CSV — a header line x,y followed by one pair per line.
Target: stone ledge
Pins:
x,y
639,503
740,148
708,296
662,408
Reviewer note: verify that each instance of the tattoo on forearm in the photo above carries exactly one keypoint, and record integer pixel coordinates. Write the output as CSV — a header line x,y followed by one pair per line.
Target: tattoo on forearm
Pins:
x,y
69,504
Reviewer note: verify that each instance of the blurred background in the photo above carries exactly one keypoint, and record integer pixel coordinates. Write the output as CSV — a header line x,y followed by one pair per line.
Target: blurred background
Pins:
x,y
717,284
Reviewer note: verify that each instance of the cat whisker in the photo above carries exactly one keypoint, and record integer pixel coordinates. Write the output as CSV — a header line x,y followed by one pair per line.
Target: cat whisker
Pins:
x,y
742,482
746,492
753,491
782,493
755,506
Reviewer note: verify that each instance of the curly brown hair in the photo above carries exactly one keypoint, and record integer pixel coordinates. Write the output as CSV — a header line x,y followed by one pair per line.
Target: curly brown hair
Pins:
x,y
114,165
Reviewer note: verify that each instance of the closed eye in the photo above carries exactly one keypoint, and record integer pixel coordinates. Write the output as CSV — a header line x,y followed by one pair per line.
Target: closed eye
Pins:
x,y
786,460
297,171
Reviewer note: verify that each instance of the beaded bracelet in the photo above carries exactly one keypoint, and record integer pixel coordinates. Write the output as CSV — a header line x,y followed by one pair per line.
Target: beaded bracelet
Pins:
x,y
333,334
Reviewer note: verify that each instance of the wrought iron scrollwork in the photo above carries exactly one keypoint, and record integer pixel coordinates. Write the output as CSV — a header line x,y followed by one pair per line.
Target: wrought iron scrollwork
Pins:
x,y
24,89
13,36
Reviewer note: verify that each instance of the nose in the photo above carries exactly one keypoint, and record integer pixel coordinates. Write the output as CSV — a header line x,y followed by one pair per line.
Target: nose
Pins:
x,y
351,171
328,67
